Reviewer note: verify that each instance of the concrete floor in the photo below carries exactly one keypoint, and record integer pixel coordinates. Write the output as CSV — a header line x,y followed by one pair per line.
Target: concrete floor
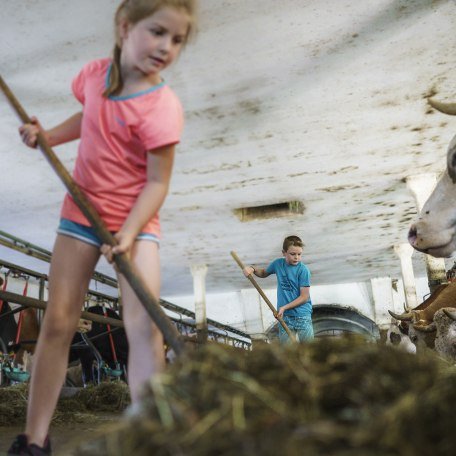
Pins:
x,y
64,437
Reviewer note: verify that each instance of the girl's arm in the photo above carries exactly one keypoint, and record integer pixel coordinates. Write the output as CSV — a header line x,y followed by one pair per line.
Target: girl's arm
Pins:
x,y
67,131
159,167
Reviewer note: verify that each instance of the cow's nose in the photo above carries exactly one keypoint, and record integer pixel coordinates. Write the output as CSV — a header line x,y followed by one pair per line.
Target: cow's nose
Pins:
x,y
412,235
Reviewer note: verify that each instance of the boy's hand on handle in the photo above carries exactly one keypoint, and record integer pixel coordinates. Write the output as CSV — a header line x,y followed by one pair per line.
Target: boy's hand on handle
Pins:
x,y
248,270
280,312
29,132
125,243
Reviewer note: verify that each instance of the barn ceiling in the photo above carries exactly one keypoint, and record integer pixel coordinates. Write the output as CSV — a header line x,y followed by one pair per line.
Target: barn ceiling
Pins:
x,y
321,102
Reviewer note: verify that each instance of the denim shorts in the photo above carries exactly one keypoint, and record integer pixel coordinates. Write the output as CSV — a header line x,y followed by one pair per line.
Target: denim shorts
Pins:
x,y
87,233
302,326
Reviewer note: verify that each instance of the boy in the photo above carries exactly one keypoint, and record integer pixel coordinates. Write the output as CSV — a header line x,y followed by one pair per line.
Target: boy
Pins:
x,y
293,289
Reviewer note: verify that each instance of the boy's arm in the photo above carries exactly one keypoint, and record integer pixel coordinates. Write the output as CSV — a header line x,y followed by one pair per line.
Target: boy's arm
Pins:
x,y
301,299
259,272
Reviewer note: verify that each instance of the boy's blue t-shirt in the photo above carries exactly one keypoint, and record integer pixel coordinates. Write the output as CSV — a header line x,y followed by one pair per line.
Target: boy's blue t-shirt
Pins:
x,y
290,280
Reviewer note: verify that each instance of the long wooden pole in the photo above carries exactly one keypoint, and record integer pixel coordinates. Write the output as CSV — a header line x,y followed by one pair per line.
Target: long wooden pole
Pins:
x,y
125,267
266,299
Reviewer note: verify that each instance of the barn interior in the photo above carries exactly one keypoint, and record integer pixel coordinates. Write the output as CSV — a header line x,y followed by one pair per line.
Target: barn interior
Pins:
x,y
301,118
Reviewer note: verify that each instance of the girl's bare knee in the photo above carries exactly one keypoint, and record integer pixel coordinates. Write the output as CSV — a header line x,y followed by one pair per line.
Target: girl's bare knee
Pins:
x,y
57,328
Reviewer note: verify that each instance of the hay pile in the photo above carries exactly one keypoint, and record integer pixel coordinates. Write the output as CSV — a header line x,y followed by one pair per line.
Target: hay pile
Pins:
x,y
83,407
337,397
13,404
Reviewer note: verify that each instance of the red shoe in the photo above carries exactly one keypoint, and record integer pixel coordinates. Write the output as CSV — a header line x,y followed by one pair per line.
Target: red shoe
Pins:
x,y
21,447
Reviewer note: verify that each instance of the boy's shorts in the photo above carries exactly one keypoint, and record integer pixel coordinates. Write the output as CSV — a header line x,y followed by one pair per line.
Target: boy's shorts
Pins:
x,y
298,325
87,233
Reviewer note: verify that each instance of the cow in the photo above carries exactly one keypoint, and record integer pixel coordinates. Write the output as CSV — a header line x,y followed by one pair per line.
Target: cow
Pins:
x,y
434,231
418,323
19,338
82,350
445,340
8,326
91,353
397,336
422,316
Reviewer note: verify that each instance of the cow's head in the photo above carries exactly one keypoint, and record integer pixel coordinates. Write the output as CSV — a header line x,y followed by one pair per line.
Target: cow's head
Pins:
x,y
408,337
398,337
84,325
434,232
445,341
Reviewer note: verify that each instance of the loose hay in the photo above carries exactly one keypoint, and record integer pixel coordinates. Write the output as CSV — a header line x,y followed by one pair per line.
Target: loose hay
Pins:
x,y
13,405
105,397
338,397
80,408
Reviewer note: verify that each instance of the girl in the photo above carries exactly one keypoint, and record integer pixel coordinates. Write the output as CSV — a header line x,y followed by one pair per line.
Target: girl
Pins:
x,y
129,126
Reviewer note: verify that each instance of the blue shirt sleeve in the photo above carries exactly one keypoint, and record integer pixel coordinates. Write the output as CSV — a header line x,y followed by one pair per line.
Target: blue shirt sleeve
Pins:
x,y
304,277
271,269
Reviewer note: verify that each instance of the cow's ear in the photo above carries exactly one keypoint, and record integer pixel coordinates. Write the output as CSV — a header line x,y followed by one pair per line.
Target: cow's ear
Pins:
x,y
451,160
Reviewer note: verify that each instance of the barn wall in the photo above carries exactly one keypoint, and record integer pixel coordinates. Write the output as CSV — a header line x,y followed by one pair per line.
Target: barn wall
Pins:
x,y
246,311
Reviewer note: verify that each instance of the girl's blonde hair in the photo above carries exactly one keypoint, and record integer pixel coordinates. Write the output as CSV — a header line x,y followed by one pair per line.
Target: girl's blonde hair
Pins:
x,y
134,11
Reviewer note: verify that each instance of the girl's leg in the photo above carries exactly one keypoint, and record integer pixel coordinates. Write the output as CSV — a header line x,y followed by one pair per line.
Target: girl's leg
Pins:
x,y
146,354
71,269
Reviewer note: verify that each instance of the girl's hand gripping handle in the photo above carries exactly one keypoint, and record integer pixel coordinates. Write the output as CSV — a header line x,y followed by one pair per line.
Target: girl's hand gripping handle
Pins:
x,y
29,132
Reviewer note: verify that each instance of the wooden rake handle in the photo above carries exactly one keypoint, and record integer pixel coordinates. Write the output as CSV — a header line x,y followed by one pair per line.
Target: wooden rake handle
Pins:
x,y
266,300
124,265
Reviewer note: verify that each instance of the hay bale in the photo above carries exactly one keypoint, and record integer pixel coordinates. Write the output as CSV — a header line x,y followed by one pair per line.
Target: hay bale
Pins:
x,y
338,397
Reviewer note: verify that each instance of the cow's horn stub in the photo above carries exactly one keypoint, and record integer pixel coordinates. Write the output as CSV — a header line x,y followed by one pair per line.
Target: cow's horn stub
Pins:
x,y
403,317
425,328
450,313
446,108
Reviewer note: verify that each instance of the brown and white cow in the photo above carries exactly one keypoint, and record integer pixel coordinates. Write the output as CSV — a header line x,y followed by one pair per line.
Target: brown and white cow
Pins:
x,y
419,322
423,315
434,232
397,336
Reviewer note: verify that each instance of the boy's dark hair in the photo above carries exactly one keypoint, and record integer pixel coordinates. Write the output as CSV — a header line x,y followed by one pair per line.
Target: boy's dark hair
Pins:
x,y
292,240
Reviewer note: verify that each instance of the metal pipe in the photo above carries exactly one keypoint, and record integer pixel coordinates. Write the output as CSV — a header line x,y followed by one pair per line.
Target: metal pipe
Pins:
x,y
15,268
38,304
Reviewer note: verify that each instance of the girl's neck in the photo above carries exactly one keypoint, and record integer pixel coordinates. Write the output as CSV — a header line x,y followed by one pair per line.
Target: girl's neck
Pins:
x,y
134,82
